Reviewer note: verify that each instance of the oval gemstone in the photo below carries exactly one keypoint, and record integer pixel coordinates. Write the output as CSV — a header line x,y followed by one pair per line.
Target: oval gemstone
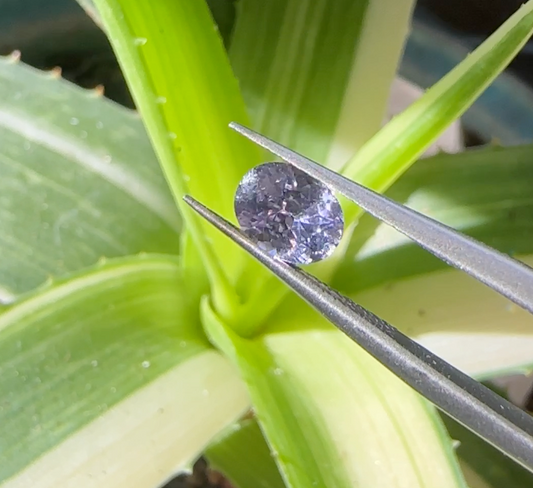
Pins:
x,y
290,215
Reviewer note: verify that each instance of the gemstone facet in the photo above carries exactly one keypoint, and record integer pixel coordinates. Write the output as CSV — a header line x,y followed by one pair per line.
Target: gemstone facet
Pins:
x,y
290,215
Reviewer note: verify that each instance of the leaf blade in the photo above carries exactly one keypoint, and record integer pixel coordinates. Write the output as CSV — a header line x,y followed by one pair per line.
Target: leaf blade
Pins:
x,y
305,381
147,437
462,317
484,193
304,68
395,148
156,44
73,163
73,350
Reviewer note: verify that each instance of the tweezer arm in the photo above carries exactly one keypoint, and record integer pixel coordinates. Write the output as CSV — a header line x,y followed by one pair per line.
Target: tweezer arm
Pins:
x,y
503,274
470,403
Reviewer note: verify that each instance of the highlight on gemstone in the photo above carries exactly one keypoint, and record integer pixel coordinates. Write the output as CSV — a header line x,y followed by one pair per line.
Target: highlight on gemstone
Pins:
x,y
288,213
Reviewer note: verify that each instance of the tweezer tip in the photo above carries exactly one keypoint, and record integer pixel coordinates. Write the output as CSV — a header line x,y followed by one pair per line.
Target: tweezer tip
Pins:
x,y
193,203
241,129
202,210
190,201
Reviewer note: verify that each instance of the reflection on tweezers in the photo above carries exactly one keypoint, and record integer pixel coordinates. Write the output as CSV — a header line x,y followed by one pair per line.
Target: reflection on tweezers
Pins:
x,y
500,272
472,404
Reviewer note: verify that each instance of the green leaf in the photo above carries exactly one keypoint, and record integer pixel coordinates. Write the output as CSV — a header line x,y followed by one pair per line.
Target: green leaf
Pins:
x,y
148,436
387,155
73,352
332,415
223,13
309,77
485,193
459,319
309,66
493,467
79,181
242,455
175,64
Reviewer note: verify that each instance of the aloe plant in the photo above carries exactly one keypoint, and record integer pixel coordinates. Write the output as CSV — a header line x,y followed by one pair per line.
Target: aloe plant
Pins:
x,y
134,338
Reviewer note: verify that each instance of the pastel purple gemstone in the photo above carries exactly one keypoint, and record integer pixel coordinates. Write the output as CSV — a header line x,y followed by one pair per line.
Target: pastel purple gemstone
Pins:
x,y
290,215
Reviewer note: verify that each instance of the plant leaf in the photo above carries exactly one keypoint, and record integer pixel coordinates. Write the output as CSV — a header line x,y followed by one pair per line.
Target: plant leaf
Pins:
x,y
175,64
79,181
243,456
387,155
485,193
223,13
454,315
504,112
71,353
150,435
332,415
304,69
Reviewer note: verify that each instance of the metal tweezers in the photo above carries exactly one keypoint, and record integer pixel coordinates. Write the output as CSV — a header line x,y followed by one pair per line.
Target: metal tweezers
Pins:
x,y
475,406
